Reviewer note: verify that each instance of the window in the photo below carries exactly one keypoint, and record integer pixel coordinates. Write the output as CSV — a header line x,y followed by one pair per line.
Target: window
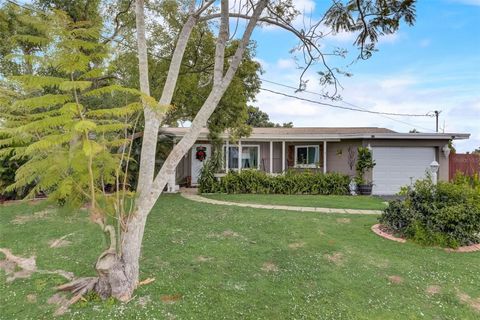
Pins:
x,y
249,157
307,156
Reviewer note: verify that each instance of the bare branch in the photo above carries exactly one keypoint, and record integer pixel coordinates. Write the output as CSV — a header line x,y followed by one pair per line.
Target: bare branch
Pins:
x,y
118,25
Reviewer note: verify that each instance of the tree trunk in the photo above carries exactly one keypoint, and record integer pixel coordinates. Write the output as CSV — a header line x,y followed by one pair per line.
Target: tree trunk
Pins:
x,y
118,270
118,273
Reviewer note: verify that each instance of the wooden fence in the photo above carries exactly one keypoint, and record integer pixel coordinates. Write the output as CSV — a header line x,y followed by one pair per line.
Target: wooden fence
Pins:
x,y
468,164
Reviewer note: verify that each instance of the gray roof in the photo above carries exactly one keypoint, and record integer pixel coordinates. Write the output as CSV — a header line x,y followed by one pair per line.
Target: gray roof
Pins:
x,y
326,133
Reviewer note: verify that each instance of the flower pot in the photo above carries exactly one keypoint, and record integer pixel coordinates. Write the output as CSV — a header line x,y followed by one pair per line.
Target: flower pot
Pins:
x,y
364,189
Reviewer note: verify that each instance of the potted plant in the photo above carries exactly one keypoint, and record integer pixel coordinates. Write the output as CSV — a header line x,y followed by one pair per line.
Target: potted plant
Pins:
x,y
364,163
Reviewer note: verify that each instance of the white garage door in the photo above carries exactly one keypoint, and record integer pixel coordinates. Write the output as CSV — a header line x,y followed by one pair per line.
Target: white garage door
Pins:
x,y
399,166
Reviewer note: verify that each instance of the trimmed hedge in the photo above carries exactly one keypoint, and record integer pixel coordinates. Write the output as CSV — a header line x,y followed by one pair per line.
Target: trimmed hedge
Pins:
x,y
446,214
253,181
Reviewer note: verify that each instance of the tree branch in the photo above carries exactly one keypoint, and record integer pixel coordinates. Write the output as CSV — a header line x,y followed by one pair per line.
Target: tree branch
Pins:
x,y
118,25
221,43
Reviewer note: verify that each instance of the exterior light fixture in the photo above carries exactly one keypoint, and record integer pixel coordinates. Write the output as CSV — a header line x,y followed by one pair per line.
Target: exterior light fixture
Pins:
x,y
434,169
446,151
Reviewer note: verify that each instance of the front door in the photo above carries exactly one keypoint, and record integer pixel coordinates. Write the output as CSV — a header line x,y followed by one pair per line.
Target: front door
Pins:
x,y
200,154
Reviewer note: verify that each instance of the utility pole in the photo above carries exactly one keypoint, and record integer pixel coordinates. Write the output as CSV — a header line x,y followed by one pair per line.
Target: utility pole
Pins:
x,y
436,119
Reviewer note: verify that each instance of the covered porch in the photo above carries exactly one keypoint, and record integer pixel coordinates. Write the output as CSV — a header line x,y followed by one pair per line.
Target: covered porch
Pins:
x,y
276,156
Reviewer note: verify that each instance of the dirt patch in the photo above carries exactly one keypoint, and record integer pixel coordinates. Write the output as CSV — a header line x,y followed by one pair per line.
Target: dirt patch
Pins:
x,y
269,267
472,302
433,290
344,220
61,302
296,245
395,279
18,267
230,234
227,234
12,263
24,218
336,258
32,298
203,259
170,299
59,243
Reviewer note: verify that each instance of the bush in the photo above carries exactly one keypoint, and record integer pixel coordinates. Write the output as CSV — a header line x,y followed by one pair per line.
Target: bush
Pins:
x,y
253,181
446,214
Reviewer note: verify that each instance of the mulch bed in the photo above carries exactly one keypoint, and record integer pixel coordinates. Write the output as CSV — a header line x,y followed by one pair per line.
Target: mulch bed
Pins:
x,y
381,231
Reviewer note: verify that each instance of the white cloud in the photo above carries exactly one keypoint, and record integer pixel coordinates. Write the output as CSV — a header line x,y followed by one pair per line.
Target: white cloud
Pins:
x,y
397,82
389,38
397,93
306,6
285,63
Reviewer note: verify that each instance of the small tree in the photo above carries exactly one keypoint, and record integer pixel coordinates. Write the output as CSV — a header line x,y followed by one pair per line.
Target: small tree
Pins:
x,y
364,163
87,145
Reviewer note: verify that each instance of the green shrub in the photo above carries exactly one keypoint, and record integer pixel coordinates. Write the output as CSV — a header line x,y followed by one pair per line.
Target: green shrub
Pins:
x,y
446,214
473,181
254,181
397,217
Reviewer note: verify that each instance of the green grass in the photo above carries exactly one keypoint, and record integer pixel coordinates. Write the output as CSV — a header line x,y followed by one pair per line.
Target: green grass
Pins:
x,y
232,284
345,202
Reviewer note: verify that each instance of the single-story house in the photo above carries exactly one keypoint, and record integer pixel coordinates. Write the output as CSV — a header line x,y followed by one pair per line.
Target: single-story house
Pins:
x,y
400,158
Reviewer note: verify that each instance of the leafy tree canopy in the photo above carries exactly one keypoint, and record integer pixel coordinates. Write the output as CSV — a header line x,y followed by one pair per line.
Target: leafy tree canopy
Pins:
x,y
259,119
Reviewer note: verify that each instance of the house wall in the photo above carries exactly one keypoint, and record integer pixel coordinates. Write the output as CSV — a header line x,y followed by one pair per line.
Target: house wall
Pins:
x,y
338,156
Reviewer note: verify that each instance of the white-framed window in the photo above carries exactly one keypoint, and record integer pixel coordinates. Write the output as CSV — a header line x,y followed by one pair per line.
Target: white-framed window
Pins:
x,y
250,157
307,156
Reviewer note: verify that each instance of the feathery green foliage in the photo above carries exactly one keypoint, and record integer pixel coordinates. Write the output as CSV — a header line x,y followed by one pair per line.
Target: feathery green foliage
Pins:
x,y
57,122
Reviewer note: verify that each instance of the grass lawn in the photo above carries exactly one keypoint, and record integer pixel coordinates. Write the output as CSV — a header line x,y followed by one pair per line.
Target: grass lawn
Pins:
x,y
345,202
241,263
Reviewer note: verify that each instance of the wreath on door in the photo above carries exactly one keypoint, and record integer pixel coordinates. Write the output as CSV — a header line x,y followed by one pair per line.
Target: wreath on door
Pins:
x,y
201,153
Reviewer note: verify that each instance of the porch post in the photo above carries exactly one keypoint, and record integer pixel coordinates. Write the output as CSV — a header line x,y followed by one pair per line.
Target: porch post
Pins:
x,y
271,157
283,156
227,149
172,180
239,155
324,156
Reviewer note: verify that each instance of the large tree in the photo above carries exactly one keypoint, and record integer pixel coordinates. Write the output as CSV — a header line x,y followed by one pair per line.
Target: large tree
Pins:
x,y
118,269
260,119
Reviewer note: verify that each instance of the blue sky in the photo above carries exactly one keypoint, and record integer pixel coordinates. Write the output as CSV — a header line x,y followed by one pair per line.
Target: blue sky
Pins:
x,y
434,65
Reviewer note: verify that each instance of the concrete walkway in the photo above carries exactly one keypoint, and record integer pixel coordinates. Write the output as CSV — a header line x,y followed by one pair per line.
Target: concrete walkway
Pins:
x,y
190,194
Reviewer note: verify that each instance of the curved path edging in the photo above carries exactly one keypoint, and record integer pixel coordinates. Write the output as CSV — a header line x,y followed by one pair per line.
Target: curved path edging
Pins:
x,y
376,229
198,198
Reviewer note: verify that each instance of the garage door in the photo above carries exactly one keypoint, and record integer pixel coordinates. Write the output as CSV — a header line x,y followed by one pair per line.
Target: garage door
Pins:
x,y
399,166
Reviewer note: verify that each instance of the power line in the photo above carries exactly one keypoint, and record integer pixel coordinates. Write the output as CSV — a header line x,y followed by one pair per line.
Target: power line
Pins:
x,y
356,106
342,107
351,104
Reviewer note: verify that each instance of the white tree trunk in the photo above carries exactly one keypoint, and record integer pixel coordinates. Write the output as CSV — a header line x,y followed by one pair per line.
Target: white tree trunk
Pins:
x,y
121,278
